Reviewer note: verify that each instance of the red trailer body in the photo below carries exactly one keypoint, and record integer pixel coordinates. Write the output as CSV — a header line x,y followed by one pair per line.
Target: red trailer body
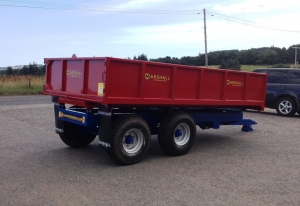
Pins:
x,y
124,102
111,81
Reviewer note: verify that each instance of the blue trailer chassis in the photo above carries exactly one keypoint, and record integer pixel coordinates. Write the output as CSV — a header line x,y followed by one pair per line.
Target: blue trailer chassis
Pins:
x,y
99,121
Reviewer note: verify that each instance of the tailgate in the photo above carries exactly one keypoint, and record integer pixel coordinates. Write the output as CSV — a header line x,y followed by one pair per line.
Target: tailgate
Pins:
x,y
75,78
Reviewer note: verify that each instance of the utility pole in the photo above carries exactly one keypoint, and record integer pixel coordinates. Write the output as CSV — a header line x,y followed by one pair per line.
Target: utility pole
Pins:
x,y
205,39
296,55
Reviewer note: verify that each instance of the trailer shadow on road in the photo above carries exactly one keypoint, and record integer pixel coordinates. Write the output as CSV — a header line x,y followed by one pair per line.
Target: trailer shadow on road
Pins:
x,y
205,143
91,155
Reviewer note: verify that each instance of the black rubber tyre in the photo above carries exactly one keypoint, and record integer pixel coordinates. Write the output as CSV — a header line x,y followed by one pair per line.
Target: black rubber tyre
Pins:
x,y
298,112
177,133
286,106
76,136
130,140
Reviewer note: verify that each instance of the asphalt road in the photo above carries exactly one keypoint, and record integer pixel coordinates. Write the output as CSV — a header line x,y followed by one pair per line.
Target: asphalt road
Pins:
x,y
24,100
224,167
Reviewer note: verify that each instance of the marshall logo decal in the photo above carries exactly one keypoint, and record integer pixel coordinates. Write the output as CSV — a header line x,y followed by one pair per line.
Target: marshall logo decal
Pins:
x,y
235,83
73,73
156,77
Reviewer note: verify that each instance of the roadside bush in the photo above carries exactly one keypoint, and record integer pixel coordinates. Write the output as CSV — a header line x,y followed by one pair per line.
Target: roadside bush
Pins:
x,y
280,66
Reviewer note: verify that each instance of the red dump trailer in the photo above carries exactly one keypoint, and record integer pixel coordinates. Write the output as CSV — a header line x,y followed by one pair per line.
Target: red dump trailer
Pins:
x,y
126,101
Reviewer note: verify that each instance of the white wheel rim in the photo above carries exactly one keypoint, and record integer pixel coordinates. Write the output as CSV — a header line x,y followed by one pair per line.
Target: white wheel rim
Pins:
x,y
133,141
182,134
285,107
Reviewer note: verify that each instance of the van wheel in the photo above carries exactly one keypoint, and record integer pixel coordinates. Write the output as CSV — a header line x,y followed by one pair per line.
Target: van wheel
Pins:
x,y
177,133
130,140
286,106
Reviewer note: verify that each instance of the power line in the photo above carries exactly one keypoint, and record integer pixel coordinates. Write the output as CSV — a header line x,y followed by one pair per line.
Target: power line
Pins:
x,y
229,17
60,6
246,22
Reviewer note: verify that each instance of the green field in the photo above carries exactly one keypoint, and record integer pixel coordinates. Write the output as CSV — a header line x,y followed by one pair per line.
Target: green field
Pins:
x,y
248,68
245,68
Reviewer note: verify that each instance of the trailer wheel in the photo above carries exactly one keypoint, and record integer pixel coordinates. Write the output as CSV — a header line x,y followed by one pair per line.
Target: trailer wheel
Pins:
x,y
286,106
177,133
76,136
130,140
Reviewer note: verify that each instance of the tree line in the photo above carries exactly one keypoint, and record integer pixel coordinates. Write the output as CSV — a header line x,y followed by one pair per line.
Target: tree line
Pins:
x,y
233,59
226,59
32,69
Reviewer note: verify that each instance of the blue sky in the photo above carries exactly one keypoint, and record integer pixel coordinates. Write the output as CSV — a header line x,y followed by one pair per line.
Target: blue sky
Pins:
x,y
157,28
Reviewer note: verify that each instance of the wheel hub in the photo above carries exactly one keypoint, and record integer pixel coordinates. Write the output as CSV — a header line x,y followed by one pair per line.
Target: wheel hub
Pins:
x,y
129,139
133,141
182,134
178,133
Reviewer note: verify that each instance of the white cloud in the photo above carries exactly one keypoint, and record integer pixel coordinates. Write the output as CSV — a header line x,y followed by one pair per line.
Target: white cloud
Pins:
x,y
144,6
133,4
78,43
126,6
257,6
174,33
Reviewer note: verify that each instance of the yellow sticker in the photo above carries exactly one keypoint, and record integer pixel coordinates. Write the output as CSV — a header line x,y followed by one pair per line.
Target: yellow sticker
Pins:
x,y
100,89
68,116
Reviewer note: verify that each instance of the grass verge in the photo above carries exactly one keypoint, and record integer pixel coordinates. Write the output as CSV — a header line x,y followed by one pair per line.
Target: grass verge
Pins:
x,y
249,68
20,85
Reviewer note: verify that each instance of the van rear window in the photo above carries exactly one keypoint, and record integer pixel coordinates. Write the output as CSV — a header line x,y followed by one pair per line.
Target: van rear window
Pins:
x,y
277,77
295,77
